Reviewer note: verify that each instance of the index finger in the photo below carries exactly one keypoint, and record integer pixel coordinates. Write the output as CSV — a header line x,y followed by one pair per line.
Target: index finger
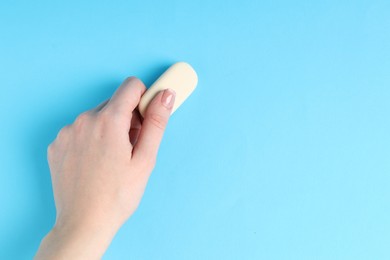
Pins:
x,y
127,97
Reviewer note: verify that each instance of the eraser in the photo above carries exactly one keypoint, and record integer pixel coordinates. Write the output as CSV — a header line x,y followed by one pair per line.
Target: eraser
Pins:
x,y
180,77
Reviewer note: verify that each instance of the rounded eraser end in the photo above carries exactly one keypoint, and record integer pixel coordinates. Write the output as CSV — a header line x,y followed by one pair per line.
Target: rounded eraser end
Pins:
x,y
180,77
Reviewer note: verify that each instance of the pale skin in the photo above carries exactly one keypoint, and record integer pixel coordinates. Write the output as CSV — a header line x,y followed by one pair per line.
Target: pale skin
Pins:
x,y
100,166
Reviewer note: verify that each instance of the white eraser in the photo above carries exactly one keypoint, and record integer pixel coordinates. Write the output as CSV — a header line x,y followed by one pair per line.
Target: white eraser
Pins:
x,y
180,77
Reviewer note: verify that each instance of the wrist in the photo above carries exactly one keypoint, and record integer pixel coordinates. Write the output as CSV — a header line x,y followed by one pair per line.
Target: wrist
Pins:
x,y
85,241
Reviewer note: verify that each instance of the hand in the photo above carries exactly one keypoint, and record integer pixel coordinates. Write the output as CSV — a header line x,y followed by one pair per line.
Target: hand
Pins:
x,y
100,166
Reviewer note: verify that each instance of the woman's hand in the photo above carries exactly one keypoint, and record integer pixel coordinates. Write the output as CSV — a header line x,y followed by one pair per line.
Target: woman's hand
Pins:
x,y
100,166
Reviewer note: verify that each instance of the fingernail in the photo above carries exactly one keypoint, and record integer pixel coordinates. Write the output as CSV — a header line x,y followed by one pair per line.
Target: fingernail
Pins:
x,y
168,98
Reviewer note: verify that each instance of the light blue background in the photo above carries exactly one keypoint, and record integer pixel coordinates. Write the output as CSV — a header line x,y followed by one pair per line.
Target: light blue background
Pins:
x,y
282,152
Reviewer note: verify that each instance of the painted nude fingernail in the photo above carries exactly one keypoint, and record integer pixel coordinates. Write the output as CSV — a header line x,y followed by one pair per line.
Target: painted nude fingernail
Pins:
x,y
168,98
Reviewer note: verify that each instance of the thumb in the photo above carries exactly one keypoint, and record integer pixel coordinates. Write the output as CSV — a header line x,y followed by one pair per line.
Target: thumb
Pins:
x,y
153,126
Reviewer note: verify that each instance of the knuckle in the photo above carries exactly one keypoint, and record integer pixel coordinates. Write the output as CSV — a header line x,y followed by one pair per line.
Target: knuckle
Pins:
x,y
133,79
158,121
83,117
63,133
106,122
106,116
110,116
81,120
136,83
50,149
